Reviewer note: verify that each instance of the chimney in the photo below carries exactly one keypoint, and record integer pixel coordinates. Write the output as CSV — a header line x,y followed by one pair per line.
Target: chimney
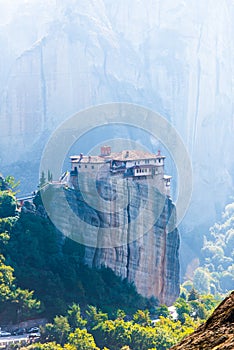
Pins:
x,y
127,154
81,156
159,153
105,151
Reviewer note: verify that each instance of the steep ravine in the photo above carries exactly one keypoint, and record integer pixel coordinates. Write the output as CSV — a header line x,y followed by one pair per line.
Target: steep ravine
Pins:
x,y
147,254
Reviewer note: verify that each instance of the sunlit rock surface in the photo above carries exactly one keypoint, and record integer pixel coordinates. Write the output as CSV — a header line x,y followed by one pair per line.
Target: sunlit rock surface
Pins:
x,y
139,242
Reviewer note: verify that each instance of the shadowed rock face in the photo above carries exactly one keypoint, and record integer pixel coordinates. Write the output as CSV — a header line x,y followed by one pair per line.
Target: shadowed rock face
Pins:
x,y
139,242
217,333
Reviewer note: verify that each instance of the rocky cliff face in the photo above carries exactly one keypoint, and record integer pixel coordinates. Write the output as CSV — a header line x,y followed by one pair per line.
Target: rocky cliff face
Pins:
x,y
139,242
61,57
217,333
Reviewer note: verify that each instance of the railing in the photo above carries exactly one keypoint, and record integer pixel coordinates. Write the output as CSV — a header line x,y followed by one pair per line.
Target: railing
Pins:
x,y
5,342
26,197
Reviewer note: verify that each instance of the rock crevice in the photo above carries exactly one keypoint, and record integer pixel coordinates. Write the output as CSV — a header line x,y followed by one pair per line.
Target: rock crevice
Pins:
x,y
139,241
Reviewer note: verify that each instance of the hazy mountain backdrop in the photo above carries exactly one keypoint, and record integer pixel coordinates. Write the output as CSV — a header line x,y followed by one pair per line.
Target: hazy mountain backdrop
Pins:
x,y
175,57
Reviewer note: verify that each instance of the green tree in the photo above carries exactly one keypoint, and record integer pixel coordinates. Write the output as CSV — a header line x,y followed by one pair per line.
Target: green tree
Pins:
x,y
3,185
81,339
42,180
201,280
193,295
142,338
17,303
74,317
7,204
198,310
25,304
162,310
120,314
57,331
95,317
182,309
62,329
4,239
217,256
115,334
142,317
6,282
210,302
169,332
183,295
11,183
49,176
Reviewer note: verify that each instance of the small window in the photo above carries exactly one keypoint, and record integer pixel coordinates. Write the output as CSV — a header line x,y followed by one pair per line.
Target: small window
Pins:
x,y
92,166
79,166
85,166
159,160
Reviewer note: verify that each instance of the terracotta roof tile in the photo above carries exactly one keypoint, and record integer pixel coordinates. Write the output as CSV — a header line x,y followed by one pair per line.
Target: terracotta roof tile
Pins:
x,y
134,155
126,155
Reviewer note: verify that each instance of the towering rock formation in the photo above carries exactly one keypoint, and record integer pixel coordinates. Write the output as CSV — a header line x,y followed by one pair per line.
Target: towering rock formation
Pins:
x,y
59,57
139,242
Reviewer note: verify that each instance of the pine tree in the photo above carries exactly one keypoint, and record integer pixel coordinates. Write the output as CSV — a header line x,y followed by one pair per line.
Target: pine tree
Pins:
x,y
42,180
193,295
49,176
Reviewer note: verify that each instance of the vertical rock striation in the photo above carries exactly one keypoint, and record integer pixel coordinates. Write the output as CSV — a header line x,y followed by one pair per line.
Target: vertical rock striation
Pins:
x,y
60,57
139,242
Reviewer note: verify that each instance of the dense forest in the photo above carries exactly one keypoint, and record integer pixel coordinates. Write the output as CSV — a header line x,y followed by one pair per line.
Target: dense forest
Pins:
x,y
48,267
216,271
42,275
96,330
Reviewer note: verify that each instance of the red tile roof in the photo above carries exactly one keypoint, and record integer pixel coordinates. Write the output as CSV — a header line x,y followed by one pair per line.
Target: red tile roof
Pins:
x,y
126,155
